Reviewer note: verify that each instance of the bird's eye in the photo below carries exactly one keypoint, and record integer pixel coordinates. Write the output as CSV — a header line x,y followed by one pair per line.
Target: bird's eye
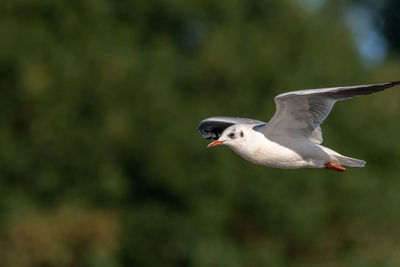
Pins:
x,y
231,135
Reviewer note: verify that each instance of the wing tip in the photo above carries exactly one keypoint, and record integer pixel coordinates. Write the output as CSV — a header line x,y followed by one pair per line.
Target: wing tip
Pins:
x,y
303,92
212,128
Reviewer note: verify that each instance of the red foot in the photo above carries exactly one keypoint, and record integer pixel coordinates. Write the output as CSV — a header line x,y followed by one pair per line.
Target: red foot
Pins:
x,y
334,167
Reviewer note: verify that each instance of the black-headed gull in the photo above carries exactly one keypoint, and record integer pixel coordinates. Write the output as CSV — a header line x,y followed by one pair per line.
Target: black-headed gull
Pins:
x,y
292,138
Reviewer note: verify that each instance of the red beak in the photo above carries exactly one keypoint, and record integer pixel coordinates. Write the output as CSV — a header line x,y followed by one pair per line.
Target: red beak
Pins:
x,y
215,143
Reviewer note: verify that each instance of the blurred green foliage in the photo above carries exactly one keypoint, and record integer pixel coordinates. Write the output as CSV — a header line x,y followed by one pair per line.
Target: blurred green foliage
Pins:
x,y
101,164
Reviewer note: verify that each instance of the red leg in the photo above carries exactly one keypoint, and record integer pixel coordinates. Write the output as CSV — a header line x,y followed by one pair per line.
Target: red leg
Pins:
x,y
334,167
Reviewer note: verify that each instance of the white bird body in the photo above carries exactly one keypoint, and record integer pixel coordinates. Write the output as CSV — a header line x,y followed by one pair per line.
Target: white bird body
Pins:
x,y
292,138
289,153
265,152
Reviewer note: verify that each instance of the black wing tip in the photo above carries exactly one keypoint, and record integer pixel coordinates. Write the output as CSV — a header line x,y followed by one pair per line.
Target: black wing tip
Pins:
x,y
206,121
212,129
383,86
200,126
386,84
394,83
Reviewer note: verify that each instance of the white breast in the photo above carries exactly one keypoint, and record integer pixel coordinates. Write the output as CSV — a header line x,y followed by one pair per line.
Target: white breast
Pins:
x,y
294,154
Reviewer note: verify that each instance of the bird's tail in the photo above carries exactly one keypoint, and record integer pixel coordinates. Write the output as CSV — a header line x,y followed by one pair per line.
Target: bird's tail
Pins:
x,y
350,162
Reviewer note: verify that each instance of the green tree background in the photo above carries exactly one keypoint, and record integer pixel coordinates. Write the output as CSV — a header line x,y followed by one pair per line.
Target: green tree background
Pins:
x,y
101,163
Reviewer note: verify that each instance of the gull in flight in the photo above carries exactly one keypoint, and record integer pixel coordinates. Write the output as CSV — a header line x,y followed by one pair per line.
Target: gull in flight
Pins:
x,y
292,138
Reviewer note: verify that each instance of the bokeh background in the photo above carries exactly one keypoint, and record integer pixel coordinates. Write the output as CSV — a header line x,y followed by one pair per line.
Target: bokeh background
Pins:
x,y
101,163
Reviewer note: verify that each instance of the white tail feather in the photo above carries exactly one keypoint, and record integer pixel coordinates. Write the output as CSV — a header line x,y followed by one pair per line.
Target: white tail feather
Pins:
x,y
350,162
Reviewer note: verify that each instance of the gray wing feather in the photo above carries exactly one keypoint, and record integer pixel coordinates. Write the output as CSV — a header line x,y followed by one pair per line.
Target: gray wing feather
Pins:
x,y
212,128
300,113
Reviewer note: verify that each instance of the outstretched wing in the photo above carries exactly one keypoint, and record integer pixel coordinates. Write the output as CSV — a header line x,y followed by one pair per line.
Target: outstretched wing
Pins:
x,y
300,113
212,128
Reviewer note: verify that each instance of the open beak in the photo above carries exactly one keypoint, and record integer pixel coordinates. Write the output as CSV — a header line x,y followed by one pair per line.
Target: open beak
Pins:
x,y
215,143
